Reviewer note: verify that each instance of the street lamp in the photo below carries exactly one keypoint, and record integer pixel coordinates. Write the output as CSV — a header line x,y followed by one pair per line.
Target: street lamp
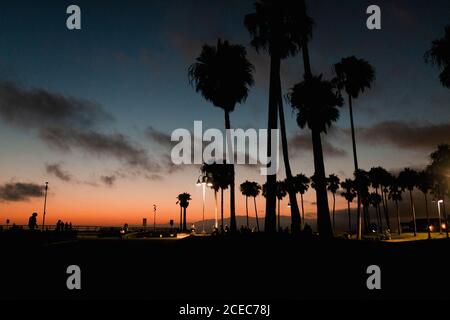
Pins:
x,y
154,218
439,212
45,206
203,181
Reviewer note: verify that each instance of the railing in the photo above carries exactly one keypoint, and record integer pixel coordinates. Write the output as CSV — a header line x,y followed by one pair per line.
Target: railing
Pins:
x,y
94,228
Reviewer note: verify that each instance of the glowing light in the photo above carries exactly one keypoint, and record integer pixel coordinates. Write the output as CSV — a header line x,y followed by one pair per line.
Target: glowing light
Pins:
x,y
443,226
430,227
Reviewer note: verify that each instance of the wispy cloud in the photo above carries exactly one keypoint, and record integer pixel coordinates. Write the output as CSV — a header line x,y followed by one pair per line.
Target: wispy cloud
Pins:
x,y
20,191
56,170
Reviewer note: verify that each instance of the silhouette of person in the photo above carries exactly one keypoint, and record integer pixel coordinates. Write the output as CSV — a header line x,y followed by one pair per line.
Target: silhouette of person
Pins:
x,y
70,226
66,227
32,221
58,225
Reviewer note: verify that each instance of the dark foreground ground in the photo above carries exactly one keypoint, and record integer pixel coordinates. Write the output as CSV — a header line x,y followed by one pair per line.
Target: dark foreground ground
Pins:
x,y
225,269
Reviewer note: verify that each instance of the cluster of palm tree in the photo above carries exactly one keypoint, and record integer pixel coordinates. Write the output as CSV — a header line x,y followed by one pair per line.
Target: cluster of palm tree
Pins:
x,y
223,75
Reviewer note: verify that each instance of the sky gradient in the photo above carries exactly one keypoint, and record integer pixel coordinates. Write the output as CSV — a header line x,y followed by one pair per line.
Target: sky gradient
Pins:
x,y
90,111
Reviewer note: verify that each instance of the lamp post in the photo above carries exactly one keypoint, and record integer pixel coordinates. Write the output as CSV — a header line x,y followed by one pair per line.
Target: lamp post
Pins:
x,y
203,181
439,212
154,218
45,206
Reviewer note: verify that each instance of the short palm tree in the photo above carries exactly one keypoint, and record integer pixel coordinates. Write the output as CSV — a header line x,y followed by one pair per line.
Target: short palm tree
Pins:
x,y
183,201
439,55
375,200
281,192
349,194
301,185
354,76
247,191
395,194
408,180
223,76
362,183
255,190
439,168
424,184
316,102
375,176
333,186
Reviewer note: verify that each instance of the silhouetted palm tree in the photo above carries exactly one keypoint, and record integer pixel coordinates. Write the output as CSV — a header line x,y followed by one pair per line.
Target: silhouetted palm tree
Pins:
x,y
255,189
425,184
223,75
439,168
183,200
439,55
395,194
278,27
408,181
301,185
247,191
333,187
349,194
316,102
386,179
376,176
375,200
361,183
280,194
354,76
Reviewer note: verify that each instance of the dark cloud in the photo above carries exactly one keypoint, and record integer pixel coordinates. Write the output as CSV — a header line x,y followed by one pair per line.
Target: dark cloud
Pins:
x,y
19,191
108,180
38,108
301,143
161,138
66,123
56,170
109,145
406,135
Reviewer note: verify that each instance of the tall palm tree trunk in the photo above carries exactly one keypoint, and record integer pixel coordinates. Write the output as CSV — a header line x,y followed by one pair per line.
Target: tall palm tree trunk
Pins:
x,y
181,218
279,214
221,211
184,219
359,221
355,162
233,226
399,225
270,218
303,211
413,212
295,212
386,209
352,124
215,211
256,214
246,209
379,217
334,211
349,217
428,215
323,212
